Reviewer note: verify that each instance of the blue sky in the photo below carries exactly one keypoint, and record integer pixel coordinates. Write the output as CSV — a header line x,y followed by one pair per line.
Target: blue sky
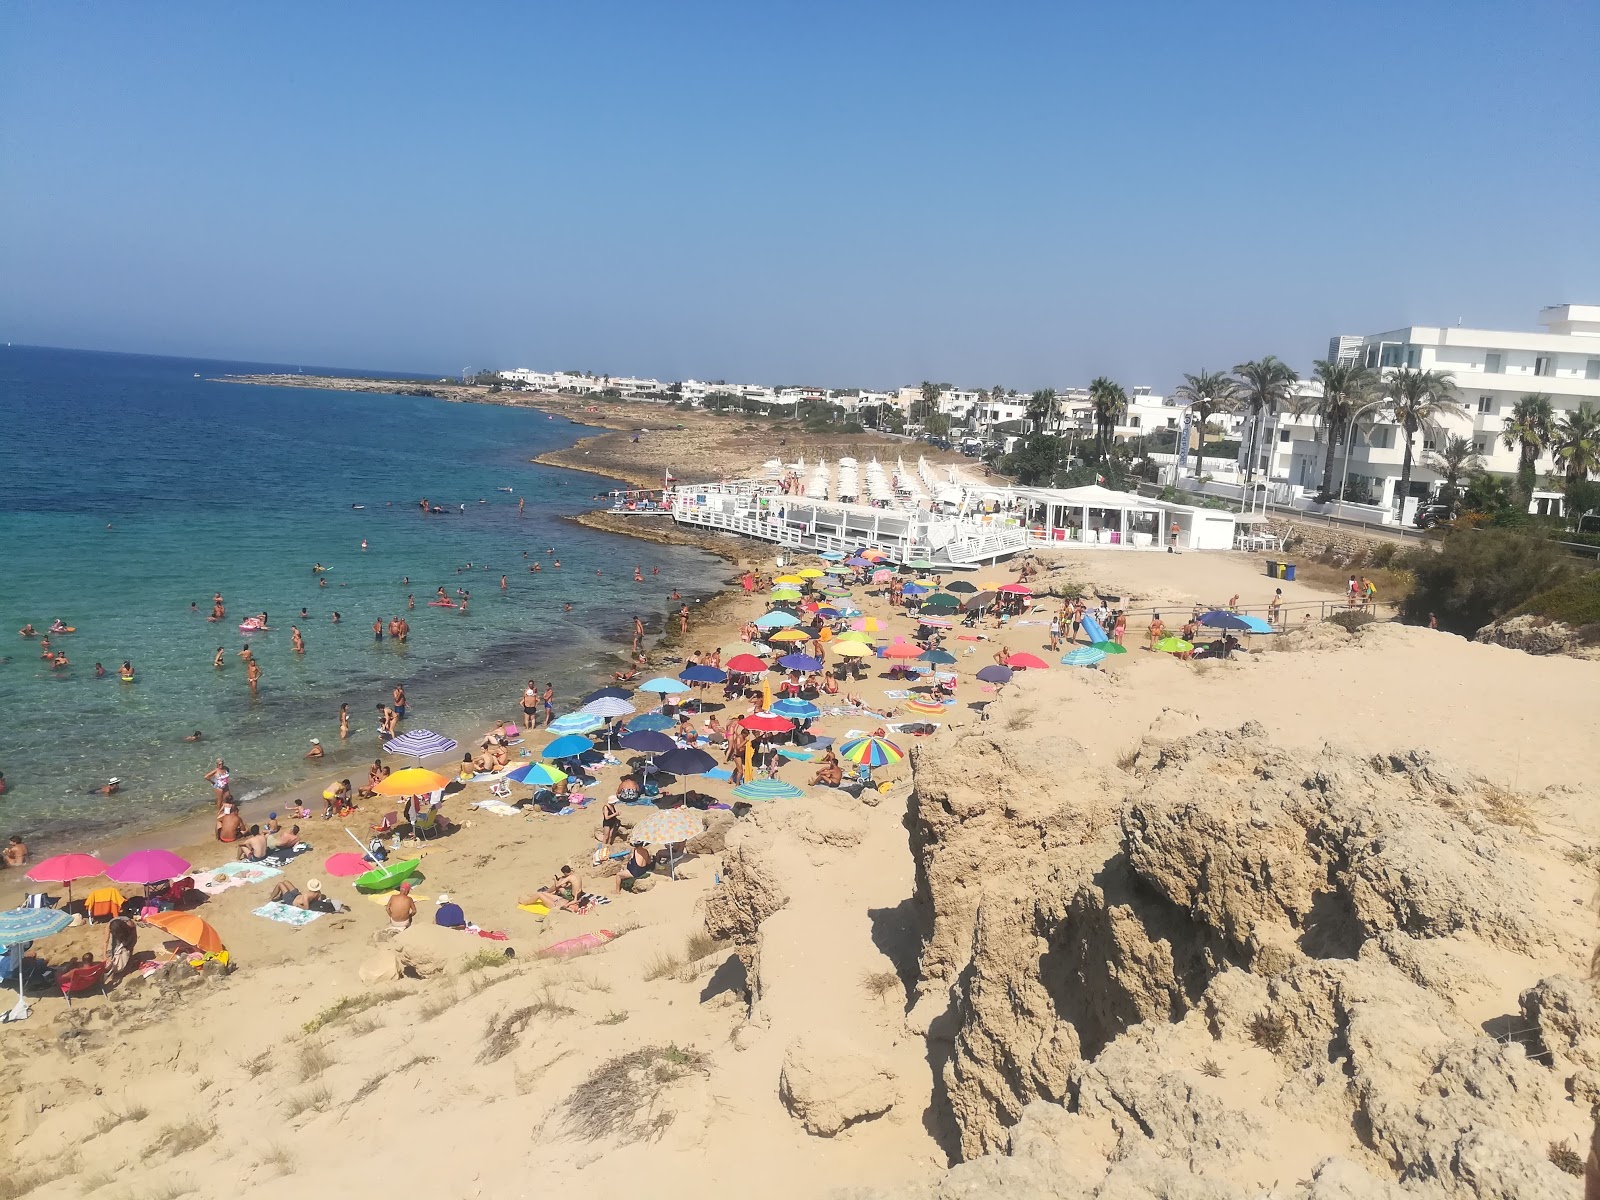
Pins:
x,y
809,192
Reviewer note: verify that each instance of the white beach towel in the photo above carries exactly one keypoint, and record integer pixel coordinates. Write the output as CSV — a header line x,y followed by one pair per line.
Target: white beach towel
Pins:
x,y
499,807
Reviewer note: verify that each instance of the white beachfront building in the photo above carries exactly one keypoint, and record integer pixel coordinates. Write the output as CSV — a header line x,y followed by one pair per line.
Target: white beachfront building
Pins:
x,y
1492,369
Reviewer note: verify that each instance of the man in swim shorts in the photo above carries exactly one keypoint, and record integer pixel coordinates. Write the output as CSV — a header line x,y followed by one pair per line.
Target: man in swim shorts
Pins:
x,y
401,908
229,825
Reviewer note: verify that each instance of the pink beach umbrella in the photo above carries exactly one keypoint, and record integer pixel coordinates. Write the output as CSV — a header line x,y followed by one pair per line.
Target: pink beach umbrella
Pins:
x,y
64,868
147,866
346,864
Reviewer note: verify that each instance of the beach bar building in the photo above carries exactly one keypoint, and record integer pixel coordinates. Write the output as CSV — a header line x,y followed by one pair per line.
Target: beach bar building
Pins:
x,y
1100,517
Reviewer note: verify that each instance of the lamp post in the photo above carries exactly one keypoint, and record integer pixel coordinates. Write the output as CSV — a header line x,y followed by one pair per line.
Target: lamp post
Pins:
x,y
1349,437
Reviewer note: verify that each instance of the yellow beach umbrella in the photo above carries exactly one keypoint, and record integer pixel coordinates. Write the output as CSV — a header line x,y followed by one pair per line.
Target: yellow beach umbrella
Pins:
x,y
413,781
789,579
809,573
855,635
854,650
789,635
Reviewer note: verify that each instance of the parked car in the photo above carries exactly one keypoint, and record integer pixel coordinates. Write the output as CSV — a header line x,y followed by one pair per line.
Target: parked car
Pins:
x,y
1433,513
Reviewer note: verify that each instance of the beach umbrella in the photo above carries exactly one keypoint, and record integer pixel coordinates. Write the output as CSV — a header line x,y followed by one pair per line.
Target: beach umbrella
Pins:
x,y
702,673
419,743
941,602
346,864
981,600
853,650
767,789
1083,656
789,579
936,656
905,650
1109,647
826,612
687,762
961,585
536,774
577,722
1219,618
873,555
796,709
1173,645
1019,589
830,555
648,741
916,589
25,925
387,876
791,635
614,692
853,635
1026,662
839,571
746,664
922,704
1257,624
785,596
776,620
846,610
810,573
64,868
855,560
766,723
866,625
147,866
665,685
800,662
413,781
936,622
995,673
609,706
188,927
874,751
568,745
650,721
668,826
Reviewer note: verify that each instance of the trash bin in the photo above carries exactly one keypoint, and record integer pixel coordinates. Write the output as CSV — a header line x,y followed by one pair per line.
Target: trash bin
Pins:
x,y
1272,569
1288,571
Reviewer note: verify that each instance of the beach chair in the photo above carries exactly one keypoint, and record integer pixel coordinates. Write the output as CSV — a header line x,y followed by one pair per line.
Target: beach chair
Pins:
x,y
426,825
82,979
390,820
103,902
500,790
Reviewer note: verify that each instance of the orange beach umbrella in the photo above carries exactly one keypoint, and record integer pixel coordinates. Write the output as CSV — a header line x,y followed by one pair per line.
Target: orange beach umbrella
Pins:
x,y
412,781
187,927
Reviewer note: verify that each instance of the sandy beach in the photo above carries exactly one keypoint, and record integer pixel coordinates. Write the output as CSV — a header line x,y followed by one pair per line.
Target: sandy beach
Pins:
x,y
289,1064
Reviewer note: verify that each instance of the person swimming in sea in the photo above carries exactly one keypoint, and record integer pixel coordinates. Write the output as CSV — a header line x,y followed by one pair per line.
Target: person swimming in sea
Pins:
x,y
59,661
28,631
109,788
99,671
216,660
127,671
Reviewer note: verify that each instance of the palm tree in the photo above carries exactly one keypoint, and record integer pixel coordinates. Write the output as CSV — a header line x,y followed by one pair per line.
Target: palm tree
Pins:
x,y
1458,458
1416,399
1107,401
1530,428
1205,395
1346,387
1042,408
1577,442
1265,385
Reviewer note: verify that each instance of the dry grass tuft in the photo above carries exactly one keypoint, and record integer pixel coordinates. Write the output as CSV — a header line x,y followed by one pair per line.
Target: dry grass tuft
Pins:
x,y
1505,807
259,1065
314,1059
348,1006
484,959
622,1100
700,945
181,1138
500,1034
1211,1069
94,1181
1127,759
439,1002
1269,1031
663,965
279,1157
316,1099
373,1084
1565,1158
1020,718
134,1112
16,1182
589,983
612,1018
362,1026
170,1189
524,1080
880,985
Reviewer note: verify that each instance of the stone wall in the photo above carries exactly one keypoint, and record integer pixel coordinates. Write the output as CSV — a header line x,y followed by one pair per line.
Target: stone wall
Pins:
x,y
1312,539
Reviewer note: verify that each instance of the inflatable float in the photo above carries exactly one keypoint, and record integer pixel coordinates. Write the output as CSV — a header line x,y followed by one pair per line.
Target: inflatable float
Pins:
x,y
441,604
1092,628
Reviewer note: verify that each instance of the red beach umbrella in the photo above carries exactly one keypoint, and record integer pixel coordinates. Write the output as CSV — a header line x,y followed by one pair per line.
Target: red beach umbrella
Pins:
x,y
766,723
346,864
64,868
1020,589
902,650
745,664
1031,662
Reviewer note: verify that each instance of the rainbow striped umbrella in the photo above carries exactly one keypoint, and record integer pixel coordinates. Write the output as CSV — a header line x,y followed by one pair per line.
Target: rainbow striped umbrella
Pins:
x,y
874,751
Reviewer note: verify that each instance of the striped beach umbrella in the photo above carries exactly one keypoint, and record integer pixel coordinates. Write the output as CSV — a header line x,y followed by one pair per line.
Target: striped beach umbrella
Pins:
x,y
609,706
866,625
419,743
874,751
1083,656
767,789
536,774
579,722
922,704
796,709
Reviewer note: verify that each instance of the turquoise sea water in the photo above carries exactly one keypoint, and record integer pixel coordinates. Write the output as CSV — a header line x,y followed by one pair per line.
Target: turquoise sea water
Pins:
x,y
129,488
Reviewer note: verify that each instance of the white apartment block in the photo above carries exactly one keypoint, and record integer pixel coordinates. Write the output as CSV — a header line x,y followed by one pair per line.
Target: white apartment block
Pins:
x,y
1492,369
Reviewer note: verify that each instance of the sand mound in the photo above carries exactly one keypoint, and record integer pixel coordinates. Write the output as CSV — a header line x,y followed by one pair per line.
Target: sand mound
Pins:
x,y
1230,964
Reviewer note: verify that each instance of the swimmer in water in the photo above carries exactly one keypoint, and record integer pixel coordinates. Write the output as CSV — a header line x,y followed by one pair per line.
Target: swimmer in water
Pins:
x,y
194,737
59,661
297,640
303,615
127,671
566,607
557,562
535,567
336,617
322,581
411,602
245,653
28,631
99,671
502,583
317,567
363,543
109,788
194,606
217,660
463,605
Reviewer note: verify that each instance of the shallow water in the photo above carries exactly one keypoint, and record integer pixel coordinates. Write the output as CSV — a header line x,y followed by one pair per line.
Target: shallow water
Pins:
x,y
129,489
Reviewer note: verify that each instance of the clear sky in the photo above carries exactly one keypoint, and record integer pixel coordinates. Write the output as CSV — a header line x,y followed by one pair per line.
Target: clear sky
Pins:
x,y
824,193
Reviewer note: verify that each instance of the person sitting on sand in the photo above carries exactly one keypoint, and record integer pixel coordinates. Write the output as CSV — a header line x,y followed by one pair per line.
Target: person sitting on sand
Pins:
x,y
16,852
829,772
229,824
635,867
374,778
563,892
401,908
253,848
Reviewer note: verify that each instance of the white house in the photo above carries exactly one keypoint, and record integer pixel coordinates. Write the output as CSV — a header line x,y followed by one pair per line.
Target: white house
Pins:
x,y
1491,368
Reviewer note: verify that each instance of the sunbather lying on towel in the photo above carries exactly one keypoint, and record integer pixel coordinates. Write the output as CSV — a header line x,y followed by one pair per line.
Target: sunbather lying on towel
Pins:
x,y
565,892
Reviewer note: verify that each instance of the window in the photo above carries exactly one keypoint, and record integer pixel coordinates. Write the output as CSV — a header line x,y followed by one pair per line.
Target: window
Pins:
x,y
1372,357
1427,442
1283,435
1389,354
1591,369
1480,445
1485,404
1172,422
1413,357
1133,421
1491,364
1544,365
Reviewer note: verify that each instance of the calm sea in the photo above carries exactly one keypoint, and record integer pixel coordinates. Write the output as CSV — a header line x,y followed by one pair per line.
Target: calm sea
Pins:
x,y
131,488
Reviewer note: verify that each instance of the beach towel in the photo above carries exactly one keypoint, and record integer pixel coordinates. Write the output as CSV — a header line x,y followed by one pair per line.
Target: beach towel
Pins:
x,y
232,875
897,694
282,857
721,773
498,807
286,914
383,897
577,945
916,728
542,910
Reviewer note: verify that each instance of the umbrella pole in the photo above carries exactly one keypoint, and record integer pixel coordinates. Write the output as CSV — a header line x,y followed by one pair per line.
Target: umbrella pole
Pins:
x,y
365,853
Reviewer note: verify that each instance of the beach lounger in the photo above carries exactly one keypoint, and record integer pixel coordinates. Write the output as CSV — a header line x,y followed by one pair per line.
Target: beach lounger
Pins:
x,y
426,825
82,979
500,789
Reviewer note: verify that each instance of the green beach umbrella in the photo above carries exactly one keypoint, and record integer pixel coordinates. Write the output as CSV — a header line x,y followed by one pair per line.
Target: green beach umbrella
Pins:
x,y
941,602
786,594
1173,645
1109,647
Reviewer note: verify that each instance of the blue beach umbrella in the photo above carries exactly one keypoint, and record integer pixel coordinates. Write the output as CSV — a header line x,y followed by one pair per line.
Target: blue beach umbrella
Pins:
x,y
664,686
767,789
609,706
419,743
536,774
568,746
995,673
703,674
615,692
916,589
827,613
650,721
1083,656
800,662
648,741
776,620
830,555
1257,625
936,656
578,722
1219,618
796,709
19,925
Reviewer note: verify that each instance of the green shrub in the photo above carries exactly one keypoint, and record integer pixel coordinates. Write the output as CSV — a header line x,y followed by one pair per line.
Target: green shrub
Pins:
x,y
1351,619
1479,575
1383,554
1575,603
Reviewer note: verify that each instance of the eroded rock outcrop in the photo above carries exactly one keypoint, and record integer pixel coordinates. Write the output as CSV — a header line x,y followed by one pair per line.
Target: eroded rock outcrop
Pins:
x,y
1111,947
751,892
830,1083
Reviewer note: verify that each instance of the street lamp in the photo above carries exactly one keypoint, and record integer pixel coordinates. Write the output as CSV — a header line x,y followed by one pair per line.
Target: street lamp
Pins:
x,y
1349,438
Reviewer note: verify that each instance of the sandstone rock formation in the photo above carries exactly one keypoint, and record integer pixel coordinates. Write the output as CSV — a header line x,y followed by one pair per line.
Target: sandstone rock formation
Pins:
x,y
830,1083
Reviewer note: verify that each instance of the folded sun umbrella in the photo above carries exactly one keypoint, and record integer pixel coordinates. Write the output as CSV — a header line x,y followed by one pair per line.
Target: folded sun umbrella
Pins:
x,y
800,662
420,743
1083,656
701,673
147,866
767,789
569,745
664,685
609,706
